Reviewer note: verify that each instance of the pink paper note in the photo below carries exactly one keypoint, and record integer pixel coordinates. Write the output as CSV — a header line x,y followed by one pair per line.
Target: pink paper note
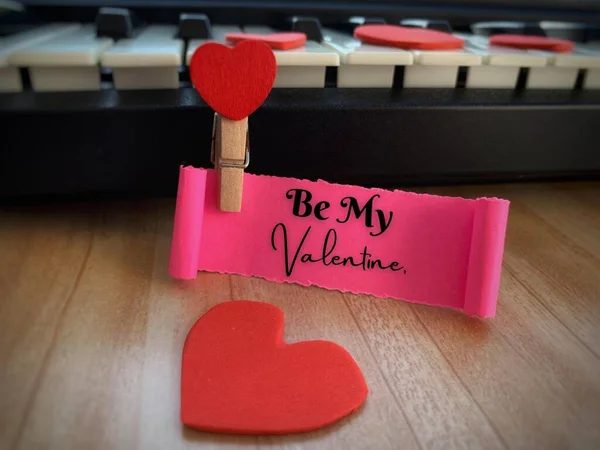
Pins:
x,y
421,248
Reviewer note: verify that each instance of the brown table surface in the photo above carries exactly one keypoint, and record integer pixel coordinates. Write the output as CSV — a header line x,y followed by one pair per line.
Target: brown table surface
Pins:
x,y
92,328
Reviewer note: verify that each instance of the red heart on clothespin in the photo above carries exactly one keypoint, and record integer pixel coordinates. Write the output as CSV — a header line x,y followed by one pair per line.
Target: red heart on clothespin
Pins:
x,y
233,81
407,37
277,41
239,376
532,42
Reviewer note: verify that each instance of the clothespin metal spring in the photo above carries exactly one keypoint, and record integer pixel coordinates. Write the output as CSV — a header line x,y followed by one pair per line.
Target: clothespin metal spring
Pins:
x,y
227,162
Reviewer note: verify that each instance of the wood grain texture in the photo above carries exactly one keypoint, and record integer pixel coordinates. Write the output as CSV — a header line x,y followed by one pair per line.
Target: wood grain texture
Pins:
x,y
92,329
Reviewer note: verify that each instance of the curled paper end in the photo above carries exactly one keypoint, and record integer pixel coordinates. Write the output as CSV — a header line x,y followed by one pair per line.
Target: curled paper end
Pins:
x,y
485,258
187,229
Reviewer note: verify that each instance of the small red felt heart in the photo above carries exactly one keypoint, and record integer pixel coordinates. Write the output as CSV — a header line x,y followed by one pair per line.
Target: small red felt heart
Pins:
x,y
532,42
277,41
239,376
407,37
233,81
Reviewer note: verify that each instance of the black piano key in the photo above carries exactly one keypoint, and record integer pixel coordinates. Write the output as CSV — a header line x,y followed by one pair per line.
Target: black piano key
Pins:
x,y
194,26
25,78
523,28
592,33
439,25
491,28
331,74
116,23
357,21
311,26
533,29
575,32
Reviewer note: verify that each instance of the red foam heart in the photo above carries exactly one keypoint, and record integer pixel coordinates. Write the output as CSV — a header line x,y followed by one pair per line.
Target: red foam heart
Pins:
x,y
407,37
239,376
532,42
233,81
277,41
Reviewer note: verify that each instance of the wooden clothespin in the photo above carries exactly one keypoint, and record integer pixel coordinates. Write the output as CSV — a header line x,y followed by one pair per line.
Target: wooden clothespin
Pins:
x,y
230,154
234,82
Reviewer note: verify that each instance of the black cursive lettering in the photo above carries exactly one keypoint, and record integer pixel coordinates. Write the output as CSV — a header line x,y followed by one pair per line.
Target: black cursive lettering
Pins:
x,y
289,265
364,260
353,207
302,197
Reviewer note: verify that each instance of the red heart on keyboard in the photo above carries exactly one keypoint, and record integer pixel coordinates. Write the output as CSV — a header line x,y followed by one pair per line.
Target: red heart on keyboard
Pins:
x,y
407,37
532,42
277,41
233,81
239,376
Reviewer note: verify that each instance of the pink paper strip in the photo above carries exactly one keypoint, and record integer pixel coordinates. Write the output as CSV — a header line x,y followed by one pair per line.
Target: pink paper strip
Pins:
x,y
429,249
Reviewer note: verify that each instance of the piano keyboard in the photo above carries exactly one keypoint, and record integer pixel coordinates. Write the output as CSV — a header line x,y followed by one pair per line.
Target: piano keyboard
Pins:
x,y
113,111
72,57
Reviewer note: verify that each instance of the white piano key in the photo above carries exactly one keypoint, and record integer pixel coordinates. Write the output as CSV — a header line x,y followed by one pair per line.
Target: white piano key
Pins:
x,y
492,77
302,67
156,46
365,65
500,65
56,79
10,44
68,62
591,79
423,76
553,76
446,58
218,33
579,58
80,47
150,60
10,78
438,68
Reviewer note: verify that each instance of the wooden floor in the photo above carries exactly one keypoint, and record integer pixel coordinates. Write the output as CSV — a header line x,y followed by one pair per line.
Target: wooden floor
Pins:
x,y
92,328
